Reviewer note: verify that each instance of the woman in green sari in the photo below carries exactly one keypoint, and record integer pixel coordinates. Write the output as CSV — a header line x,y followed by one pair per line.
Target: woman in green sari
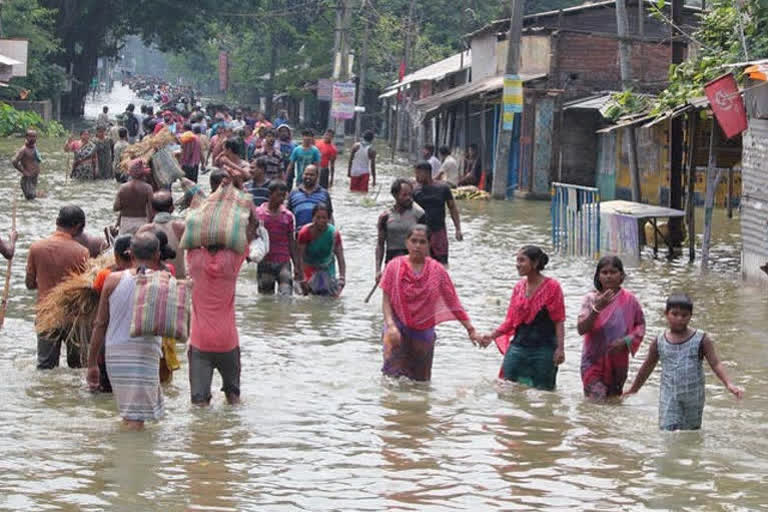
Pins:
x,y
319,249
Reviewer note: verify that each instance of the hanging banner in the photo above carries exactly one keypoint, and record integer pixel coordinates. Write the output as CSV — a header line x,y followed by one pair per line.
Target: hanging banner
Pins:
x,y
324,89
512,99
343,104
727,104
223,71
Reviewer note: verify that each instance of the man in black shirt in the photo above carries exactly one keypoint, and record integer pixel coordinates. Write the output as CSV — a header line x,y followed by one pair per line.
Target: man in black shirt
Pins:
x,y
433,198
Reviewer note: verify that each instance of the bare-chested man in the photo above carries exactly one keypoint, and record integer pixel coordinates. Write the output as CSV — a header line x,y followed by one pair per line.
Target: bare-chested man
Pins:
x,y
133,201
162,219
27,162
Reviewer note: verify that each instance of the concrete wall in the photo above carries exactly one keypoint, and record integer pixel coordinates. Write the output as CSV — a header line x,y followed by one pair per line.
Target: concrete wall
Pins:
x,y
535,54
483,57
44,108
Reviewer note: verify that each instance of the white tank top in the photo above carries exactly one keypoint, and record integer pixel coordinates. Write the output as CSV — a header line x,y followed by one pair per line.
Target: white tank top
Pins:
x,y
360,160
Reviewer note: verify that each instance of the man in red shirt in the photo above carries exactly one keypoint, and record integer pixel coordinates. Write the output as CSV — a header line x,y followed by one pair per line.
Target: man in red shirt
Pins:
x,y
213,337
328,154
49,262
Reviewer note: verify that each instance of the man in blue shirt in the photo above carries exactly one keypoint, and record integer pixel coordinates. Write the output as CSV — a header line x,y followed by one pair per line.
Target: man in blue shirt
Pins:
x,y
302,156
306,196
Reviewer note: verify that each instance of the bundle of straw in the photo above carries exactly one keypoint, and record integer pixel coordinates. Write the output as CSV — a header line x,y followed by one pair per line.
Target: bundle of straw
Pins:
x,y
70,307
146,148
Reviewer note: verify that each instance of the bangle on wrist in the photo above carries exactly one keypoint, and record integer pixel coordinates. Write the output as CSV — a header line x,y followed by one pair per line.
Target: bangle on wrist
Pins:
x,y
595,310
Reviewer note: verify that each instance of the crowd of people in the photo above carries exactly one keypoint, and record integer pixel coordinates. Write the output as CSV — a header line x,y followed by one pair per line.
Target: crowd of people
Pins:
x,y
306,255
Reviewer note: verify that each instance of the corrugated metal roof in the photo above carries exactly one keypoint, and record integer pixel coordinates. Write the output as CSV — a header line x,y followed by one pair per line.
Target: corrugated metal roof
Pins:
x,y
479,88
503,25
590,103
436,71
7,61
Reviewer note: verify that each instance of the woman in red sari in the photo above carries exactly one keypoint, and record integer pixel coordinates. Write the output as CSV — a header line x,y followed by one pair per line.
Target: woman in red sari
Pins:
x,y
532,336
418,295
613,326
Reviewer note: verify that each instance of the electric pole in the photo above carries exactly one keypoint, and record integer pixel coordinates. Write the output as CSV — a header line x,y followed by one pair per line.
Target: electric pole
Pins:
x,y
363,72
676,138
625,65
401,110
504,140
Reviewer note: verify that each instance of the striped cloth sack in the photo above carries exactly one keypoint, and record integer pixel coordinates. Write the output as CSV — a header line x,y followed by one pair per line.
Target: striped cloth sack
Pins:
x,y
221,221
160,305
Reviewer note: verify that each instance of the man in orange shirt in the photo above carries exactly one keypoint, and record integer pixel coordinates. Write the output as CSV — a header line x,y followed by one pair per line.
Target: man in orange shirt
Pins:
x,y
49,262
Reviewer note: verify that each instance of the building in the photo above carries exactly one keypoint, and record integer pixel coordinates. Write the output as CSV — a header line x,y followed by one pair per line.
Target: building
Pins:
x,y
565,55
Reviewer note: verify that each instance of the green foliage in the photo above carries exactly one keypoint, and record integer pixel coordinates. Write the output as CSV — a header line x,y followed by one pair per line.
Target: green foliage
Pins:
x,y
625,103
29,20
17,122
719,43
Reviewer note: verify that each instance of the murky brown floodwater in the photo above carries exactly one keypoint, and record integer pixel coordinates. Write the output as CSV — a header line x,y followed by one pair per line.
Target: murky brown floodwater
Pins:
x,y
320,429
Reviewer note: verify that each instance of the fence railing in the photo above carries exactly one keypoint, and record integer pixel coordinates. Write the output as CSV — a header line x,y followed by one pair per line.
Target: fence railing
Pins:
x,y
576,220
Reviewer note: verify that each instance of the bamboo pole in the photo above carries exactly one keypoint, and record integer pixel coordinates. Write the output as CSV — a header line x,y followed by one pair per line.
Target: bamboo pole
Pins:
x,y
7,289
713,178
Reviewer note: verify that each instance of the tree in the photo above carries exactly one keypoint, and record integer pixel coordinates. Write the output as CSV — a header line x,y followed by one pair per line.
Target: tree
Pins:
x,y
29,20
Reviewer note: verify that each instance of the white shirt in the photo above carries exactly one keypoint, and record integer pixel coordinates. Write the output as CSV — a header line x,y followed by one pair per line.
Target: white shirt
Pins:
x,y
450,168
435,163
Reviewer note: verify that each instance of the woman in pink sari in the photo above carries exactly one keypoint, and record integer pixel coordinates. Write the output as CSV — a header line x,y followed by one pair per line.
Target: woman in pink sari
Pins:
x,y
418,295
612,323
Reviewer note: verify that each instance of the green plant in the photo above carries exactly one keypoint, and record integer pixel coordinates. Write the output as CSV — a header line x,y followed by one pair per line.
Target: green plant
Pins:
x,y
17,122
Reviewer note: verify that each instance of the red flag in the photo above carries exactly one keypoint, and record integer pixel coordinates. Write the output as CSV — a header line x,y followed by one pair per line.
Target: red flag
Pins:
x,y
401,73
725,101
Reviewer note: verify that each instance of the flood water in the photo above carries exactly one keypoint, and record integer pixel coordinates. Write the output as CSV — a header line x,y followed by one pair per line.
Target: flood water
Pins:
x,y
320,429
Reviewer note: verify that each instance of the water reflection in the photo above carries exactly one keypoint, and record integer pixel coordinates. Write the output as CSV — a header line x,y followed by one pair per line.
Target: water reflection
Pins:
x,y
320,430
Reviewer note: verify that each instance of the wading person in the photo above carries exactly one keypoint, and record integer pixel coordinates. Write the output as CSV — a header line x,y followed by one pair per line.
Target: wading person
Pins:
x,y
394,224
27,162
117,154
532,336
362,164
104,153
122,253
275,268
613,326
319,248
418,294
428,155
449,167
213,339
302,156
49,262
434,198
134,199
328,154
133,363
258,186
85,162
309,193
681,350
191,153
472,168
162,219
274,158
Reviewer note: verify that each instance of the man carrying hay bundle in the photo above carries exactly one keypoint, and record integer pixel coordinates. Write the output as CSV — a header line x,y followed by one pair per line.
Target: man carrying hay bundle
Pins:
x,y
50,262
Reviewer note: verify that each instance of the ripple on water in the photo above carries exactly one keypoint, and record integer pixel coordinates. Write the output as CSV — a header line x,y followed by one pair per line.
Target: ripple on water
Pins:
x,y
320,429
